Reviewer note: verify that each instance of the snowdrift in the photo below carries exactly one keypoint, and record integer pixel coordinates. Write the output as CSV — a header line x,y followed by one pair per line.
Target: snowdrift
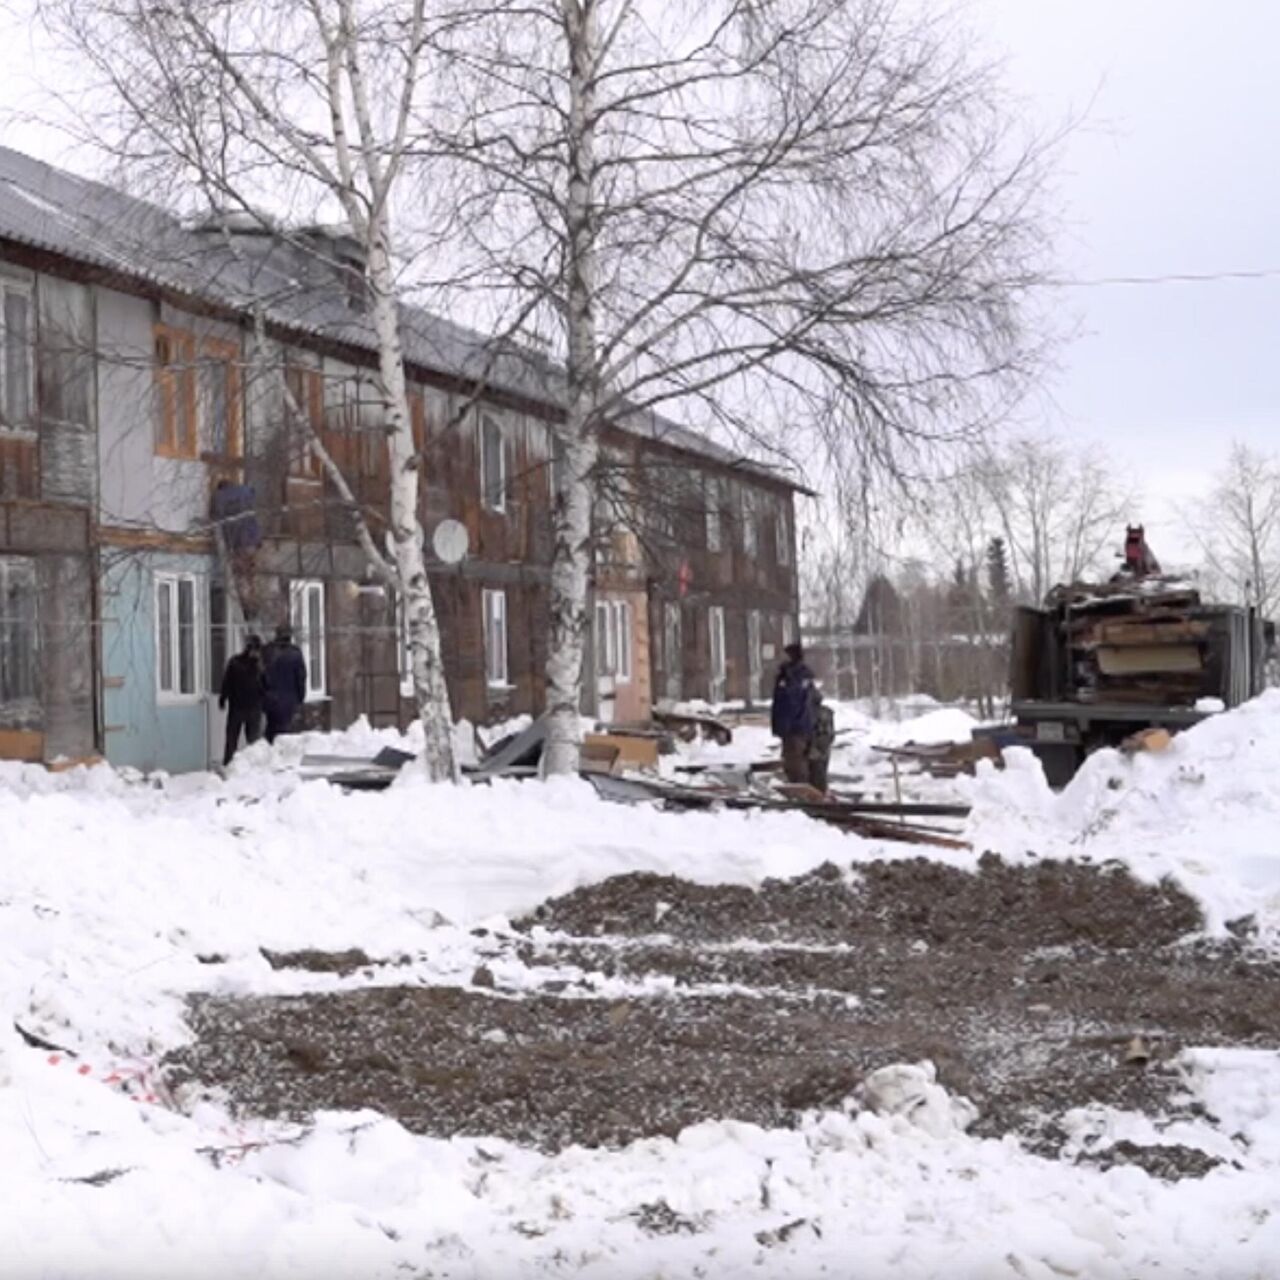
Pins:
x,y
1206,811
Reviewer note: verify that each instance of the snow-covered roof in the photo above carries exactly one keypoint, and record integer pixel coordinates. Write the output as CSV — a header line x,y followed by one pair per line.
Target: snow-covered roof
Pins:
x,y
88,222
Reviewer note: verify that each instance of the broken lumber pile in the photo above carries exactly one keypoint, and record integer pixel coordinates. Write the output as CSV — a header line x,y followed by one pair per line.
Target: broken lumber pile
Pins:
x,y
1143,646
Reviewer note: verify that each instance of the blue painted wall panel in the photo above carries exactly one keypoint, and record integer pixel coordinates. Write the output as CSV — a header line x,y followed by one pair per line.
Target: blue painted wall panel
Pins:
x,y
143,728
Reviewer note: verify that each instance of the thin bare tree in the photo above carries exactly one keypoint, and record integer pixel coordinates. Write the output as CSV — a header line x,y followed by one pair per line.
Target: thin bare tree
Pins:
x,y
806,223
1238,528
1061,511
267,104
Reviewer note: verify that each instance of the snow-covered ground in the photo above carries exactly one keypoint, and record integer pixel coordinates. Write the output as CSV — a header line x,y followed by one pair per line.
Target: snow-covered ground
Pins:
x,y
112,891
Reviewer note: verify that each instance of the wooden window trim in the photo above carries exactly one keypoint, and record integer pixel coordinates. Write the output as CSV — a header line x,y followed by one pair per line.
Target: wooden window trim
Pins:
x,y
176,387
306,466
228,354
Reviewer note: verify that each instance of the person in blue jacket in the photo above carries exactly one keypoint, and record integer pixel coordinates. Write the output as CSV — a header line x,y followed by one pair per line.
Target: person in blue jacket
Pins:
x,y
284,682
792,713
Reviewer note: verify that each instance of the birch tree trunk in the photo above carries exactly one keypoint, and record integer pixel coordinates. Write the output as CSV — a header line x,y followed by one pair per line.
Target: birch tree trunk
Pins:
x,y
571,561
425,658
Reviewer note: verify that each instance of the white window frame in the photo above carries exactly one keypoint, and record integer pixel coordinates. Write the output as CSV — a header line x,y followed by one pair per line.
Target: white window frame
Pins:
x,y
493,616
782,533
301,592
404,652
24,289
718,665
673,647
750,526
613,639
490,422
715,534
755,654
172,582
604,639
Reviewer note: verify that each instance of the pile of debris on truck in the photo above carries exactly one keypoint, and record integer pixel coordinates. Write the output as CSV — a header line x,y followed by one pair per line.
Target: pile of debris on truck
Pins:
x,y
1101,661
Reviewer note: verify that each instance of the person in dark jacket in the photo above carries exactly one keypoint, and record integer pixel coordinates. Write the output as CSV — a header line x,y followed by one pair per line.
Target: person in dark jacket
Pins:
x,y
792,713
241,696
285,682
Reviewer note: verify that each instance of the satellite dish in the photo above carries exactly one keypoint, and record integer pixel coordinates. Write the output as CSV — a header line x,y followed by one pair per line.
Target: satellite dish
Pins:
x,y
450,541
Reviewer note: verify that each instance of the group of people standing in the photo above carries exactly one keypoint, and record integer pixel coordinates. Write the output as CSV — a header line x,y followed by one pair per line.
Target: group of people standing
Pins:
x,y
262,680
803,721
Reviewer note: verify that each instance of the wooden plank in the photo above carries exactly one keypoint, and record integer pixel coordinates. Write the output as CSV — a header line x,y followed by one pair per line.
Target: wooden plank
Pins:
x,y
22,744
1149,660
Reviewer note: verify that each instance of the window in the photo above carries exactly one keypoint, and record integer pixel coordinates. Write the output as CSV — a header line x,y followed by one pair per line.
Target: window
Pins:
x,y
405,654
495,639
673,647
493,464
175,381
713,514
782,531
750,531
218,385
304,410
17,355
755,655
613,639
559,466
306,615
19,672
178,650
65,375
715,620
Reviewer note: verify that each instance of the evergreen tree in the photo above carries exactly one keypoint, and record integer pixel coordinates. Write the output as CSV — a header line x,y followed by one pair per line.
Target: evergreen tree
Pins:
x,y
998,570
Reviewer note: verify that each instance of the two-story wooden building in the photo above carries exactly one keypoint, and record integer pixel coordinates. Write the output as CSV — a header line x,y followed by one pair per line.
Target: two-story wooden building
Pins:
x,y
160,385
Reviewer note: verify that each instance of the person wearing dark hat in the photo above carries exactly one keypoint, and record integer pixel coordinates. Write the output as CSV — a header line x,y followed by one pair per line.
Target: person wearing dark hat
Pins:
x,y
241,696
792,713
285,682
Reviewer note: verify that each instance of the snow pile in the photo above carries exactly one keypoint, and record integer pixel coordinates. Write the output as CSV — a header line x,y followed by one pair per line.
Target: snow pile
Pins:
x,y
1205,811
849,1192
114,894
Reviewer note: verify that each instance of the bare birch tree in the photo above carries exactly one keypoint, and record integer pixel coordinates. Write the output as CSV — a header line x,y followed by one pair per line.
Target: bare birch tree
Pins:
x,y
800,221
312,105
1238,528
1062,512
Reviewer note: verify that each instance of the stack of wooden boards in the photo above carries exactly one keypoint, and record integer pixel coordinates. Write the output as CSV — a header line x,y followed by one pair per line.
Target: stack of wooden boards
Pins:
x,y
1146,645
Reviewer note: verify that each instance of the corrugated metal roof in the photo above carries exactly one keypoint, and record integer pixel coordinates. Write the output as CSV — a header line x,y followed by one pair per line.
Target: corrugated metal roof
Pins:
x,y
85,221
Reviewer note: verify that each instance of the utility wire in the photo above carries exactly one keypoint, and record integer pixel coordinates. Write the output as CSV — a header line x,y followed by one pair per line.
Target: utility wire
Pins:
x,y
1174,277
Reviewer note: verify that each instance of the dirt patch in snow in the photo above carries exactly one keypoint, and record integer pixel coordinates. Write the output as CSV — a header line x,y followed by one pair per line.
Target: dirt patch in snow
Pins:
x,y
647,1004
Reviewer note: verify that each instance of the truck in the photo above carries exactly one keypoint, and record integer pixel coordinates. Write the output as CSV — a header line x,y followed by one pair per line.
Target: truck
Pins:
x,y
1100,662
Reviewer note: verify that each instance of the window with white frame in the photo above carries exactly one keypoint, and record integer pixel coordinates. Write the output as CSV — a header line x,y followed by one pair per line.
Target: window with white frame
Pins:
x,y
17,354
495,639
19,673
673,647
493,464
179,652
405,649
714,540
755,654
750,530
782,531
715,620
306,615
613,639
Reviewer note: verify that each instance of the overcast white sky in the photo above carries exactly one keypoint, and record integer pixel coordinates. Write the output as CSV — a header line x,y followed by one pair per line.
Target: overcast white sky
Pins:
x,y
1173,170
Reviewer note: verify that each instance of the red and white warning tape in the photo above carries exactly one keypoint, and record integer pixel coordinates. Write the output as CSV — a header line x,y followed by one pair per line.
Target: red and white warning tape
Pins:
x,y
139,1082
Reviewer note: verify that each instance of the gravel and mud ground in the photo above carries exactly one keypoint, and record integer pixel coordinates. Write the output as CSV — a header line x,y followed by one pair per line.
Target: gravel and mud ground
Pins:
x,y
653,1003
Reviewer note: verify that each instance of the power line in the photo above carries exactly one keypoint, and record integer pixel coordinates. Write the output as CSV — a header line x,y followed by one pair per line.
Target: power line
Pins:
x,y
1173,277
